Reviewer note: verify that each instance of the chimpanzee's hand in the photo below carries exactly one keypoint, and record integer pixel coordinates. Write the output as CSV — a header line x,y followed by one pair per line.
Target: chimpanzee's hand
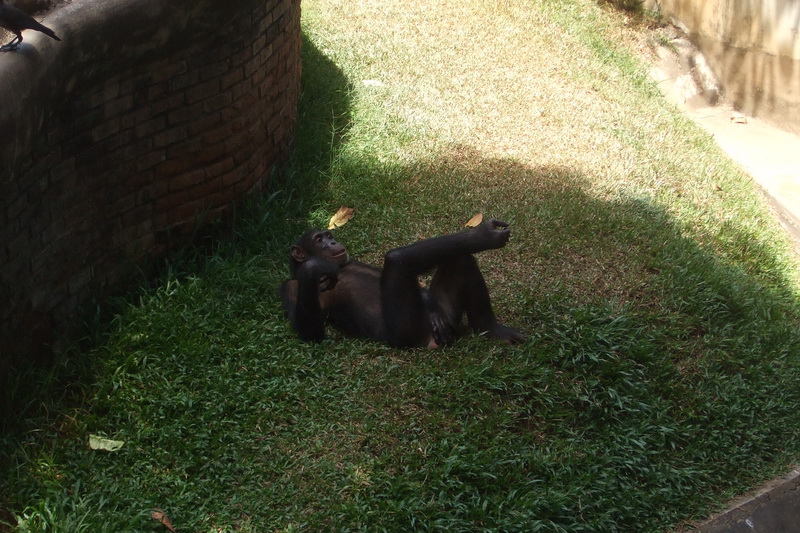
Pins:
x,y
319,271
328,281
492,234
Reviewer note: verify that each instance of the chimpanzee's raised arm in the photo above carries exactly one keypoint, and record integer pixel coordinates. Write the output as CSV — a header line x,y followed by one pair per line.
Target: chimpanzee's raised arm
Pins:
x,y
424,255
314,261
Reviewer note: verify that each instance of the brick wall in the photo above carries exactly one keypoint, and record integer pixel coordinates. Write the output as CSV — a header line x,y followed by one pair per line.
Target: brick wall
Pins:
x,y
147,116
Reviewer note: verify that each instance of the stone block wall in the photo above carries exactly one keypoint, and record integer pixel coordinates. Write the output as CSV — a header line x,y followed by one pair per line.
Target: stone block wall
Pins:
x,y
147,117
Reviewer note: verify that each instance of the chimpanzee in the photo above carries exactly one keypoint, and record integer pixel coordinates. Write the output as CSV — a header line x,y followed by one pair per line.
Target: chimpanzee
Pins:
x,y
390,305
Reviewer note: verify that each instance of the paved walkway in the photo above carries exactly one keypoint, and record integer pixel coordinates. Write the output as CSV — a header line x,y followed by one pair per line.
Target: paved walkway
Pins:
x,y
769,154
775,508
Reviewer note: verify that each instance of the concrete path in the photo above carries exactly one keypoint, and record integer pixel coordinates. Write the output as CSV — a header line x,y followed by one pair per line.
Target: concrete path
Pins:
x,y
769,154
775,508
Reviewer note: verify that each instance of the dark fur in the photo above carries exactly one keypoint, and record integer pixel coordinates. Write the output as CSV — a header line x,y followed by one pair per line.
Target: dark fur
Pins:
x,y
389,305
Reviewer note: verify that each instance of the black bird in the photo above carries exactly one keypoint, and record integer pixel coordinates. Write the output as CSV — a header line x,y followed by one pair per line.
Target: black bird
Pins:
x,y
15,21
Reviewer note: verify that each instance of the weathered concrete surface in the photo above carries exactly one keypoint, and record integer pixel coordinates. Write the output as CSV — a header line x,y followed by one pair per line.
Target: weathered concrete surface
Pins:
x,y
753,47
771,155
773,509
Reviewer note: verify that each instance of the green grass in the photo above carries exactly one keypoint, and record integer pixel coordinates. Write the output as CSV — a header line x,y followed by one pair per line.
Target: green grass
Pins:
x,y
660,378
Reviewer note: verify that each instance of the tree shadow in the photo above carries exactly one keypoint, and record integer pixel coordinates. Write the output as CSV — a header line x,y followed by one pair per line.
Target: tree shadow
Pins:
x,y
702,327
323,118
626,250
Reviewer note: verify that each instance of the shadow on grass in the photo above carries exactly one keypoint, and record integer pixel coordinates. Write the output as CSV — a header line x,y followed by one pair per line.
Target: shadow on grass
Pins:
x,y
649,325
659,375
323,120
628,251
630,6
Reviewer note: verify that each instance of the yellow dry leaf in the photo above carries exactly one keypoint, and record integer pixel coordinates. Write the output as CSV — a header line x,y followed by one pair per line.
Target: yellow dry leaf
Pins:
x,y
341,217
161,517
474,221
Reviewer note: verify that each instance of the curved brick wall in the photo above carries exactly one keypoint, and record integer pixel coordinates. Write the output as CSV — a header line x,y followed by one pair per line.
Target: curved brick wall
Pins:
x,y
146,116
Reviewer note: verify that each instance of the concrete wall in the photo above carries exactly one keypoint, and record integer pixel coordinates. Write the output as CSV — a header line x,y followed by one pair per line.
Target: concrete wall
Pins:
x,y
753,47
147,115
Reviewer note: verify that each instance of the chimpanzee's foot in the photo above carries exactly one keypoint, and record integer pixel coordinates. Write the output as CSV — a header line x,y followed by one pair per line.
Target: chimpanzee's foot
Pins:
x,y
506,334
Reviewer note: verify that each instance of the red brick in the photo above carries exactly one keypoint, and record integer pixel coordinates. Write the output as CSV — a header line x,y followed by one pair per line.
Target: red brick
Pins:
x,y
122,204
169,136
148,128
217,135
137,149
202,91
118,106
259,44
105,94
265,54
265,21
151,159
173,167
136,116
202,123
105,129
210,154
220,167
237,175
187,179
168,71
215,70
168,102
184,113
234,76
183,81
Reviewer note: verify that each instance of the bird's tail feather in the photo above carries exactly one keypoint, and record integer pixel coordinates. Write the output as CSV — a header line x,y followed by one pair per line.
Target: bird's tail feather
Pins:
x,y
47,31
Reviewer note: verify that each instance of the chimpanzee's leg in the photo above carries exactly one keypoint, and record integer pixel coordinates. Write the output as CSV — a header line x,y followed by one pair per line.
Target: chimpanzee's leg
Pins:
x,y
458,283
458,287
404,309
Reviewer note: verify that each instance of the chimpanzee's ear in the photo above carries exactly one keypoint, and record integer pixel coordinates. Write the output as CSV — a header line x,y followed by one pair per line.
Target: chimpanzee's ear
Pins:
x,y
298,254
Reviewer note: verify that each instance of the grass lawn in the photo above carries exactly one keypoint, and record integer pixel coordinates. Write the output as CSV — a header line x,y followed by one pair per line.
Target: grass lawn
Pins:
x,y
661,377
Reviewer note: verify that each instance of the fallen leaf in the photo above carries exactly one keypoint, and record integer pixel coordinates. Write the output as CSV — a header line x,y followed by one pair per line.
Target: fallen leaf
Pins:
x,y
341,217
162,518
97,442
474,221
